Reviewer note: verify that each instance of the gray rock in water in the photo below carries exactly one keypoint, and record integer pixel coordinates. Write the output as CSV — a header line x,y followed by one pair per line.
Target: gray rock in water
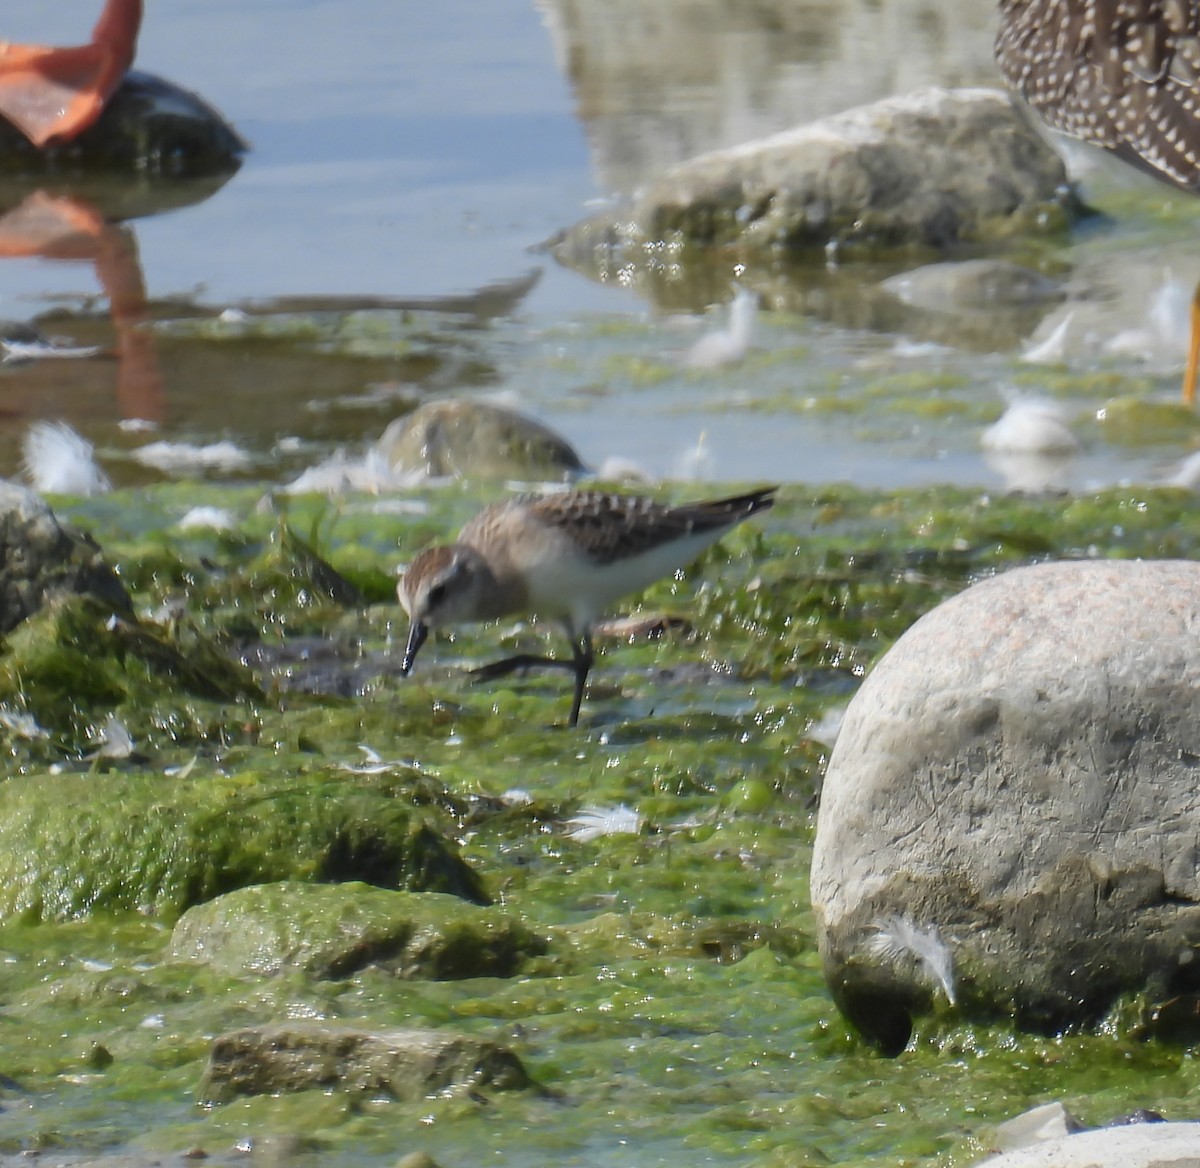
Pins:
x,y
476,440
972,285
1050,1121
1015,793
988,304
929,170
40,560
405,1064
1157,1145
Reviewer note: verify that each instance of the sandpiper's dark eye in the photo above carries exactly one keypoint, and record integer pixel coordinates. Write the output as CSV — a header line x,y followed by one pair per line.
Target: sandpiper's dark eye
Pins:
x,y
436,595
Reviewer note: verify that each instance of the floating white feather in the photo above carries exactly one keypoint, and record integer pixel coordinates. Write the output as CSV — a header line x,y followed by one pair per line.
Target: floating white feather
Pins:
x,y
593,822
113,740
897,937
207,518
184,456
21,725
1052,350
1187,475
17,351
1030,426
730,344
60,461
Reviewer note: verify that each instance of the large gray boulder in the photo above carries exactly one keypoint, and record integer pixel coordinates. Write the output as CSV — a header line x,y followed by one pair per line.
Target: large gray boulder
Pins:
x,y
1144,1145
1009,819
931,170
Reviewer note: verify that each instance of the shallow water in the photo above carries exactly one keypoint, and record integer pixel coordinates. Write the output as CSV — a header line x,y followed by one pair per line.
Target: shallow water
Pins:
x,y
424,154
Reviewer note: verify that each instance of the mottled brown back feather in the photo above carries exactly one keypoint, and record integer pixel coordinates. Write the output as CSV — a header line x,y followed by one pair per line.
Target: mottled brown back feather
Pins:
x,y
623,525
1121,74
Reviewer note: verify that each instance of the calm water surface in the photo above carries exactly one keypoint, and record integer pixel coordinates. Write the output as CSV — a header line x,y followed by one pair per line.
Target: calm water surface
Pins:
x,y
422,151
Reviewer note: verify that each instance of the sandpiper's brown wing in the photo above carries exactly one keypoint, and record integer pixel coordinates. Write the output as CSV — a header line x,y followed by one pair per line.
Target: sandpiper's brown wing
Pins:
x,y
1123,75
608,527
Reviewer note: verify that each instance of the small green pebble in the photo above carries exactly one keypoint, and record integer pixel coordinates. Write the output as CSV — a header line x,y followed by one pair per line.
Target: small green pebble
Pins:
x,y
751,795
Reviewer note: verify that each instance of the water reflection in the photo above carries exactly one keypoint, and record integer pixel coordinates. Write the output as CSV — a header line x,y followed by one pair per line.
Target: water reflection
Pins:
x,y
88,221
109,146
67,227
659,81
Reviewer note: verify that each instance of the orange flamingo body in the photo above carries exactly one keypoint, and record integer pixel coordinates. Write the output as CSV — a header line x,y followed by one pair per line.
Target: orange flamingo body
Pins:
x,y
53,94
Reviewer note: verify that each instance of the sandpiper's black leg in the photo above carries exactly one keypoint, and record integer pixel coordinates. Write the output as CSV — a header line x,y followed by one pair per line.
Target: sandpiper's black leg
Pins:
x,y
582,663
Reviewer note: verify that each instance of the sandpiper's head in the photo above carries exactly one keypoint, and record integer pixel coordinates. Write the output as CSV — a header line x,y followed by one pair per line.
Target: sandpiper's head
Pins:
x,y
442,586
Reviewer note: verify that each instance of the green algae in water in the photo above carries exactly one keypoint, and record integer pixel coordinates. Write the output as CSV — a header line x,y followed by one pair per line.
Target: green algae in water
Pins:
x,y
78,845
680,994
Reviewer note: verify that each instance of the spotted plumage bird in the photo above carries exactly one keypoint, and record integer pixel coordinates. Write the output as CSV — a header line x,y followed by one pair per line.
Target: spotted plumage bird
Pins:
x,y
1123,75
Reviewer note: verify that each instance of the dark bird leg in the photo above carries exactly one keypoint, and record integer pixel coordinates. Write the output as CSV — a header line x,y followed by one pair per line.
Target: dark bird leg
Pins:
x,y
582,663
582,660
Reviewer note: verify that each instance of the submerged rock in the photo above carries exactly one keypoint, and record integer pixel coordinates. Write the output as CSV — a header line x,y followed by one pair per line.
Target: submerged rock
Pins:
x,y
475,440
972,285
73,846
1016,780
149,127
929,170
334,930
403,1064
40,560
985,304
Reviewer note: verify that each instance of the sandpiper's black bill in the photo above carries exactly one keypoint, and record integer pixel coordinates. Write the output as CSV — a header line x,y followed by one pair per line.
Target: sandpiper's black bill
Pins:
x,y
417,632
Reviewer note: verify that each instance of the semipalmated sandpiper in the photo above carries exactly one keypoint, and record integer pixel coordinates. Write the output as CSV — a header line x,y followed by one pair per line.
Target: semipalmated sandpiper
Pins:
x,y
566,556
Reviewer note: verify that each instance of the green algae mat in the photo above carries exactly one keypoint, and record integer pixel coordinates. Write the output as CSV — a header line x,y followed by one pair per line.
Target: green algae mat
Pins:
x,y
624,906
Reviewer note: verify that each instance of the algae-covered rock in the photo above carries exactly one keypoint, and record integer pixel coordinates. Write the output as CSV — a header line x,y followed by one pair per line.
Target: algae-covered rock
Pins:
x,y
928,170
475,440
404,1064
74,654
334,930
41,560
76,845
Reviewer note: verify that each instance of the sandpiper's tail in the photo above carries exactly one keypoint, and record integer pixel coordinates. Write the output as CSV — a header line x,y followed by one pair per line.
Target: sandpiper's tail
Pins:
x,y
722,512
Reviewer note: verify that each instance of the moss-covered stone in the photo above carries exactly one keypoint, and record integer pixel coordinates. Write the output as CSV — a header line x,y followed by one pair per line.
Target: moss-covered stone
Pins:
x,y
41,560
335,930
476,440
73,654
404,1064
921,173
75,845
